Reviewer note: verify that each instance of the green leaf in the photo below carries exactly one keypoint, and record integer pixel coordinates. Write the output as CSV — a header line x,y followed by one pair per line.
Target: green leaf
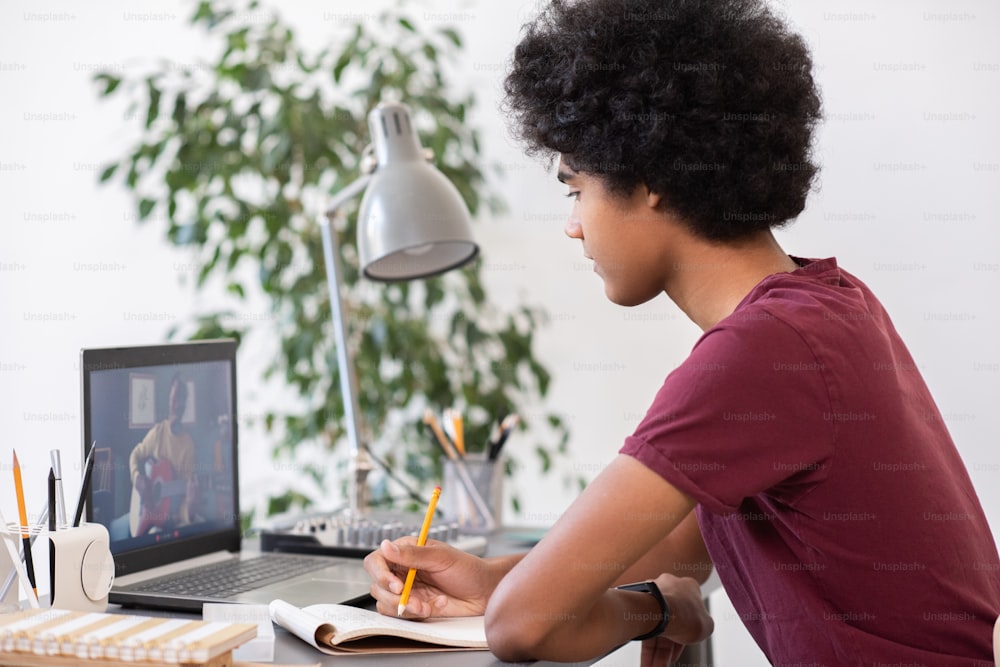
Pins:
x,y
203,13
237,41
236,289
110,82
108,172
452,36
180,109
544,458
286,502
146,207
406,24
342,62
153,110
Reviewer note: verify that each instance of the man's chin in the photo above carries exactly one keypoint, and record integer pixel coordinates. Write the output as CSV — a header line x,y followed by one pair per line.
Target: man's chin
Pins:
x,y
626,300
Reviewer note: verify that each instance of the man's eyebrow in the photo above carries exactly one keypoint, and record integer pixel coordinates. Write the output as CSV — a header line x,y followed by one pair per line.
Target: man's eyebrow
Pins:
x,y
565,176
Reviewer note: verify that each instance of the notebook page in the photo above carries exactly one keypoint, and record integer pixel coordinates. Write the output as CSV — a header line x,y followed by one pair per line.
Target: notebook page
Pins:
x,y
352,622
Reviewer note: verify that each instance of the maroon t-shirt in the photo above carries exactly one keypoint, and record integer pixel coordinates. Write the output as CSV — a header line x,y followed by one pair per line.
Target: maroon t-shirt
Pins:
x,y
836,509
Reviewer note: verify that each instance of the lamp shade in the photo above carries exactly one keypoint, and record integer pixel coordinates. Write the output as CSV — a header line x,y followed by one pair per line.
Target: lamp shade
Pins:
x,y
413,222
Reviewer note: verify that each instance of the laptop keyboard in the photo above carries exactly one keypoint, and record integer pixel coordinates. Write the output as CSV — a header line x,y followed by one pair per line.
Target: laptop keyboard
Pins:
x,y
222,580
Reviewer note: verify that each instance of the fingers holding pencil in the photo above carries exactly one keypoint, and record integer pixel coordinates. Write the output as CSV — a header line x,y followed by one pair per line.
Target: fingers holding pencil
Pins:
x,y
449,581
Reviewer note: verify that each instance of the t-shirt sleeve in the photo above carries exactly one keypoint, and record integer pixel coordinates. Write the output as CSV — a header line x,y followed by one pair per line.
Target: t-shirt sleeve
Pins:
x,y
748,411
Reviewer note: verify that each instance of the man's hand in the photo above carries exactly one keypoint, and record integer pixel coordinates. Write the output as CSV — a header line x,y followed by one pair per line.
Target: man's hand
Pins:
x,y
449,582
690,621
659,652
142,486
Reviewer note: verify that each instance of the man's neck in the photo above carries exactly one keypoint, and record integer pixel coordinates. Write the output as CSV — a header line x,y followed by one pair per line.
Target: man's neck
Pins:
x,y
710,279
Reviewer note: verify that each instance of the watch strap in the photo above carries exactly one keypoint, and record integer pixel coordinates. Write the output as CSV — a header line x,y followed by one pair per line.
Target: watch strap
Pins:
x,y
650,588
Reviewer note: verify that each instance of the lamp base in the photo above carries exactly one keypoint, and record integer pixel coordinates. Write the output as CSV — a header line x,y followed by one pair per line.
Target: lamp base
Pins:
x,y
358,493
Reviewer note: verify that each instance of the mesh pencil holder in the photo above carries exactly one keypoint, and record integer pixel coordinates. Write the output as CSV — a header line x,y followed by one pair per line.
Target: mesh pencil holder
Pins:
x,y
472,493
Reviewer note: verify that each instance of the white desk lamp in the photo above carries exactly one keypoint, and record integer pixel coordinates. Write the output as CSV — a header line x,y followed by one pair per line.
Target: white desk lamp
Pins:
x,y
412,224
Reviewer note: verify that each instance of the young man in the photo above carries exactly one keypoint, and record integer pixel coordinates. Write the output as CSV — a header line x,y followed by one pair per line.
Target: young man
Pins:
x,y
797,446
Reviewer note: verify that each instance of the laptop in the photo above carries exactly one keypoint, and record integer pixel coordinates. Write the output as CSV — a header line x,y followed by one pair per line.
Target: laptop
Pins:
x,y
162,423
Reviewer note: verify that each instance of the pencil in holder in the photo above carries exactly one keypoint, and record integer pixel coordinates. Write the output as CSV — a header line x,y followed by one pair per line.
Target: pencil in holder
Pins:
x,y
472,493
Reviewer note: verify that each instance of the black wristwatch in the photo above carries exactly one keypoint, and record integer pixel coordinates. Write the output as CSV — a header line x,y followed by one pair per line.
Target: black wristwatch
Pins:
x,y
651,588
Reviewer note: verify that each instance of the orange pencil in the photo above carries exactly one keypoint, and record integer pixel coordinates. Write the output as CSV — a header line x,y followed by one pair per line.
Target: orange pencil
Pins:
x,y
457,427
421,541
22,512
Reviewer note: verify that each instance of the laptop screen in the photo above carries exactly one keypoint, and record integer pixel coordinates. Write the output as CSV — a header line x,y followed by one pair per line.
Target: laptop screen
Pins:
x,y
162,422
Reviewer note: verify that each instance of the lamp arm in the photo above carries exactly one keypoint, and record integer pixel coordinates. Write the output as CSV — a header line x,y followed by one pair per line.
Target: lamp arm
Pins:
x,y
360,462
347,194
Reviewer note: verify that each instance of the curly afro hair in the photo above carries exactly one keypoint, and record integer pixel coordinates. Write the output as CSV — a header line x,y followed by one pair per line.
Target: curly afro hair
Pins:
x,y
709,103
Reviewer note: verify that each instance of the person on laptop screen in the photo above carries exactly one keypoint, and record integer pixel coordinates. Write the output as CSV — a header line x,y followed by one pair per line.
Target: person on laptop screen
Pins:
x,y
163,444
161,468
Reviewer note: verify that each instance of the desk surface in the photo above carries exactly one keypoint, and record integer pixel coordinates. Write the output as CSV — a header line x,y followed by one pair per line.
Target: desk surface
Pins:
x,y
290,650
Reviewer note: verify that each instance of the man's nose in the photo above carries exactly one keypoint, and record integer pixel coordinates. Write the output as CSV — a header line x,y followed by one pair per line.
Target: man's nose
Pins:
x,y
573,229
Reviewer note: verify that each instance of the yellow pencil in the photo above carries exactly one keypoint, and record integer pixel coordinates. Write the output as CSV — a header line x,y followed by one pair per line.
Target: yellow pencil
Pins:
x,y
29,563
421,541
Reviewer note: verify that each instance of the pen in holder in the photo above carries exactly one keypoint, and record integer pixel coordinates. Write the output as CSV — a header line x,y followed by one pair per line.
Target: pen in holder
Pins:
x,y
472,493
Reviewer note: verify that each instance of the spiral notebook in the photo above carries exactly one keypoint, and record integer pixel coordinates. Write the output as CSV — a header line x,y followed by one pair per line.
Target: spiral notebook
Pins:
x,y
168,414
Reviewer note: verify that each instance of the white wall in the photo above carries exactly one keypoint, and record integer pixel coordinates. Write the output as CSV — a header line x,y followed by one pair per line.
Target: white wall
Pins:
x,y
908,202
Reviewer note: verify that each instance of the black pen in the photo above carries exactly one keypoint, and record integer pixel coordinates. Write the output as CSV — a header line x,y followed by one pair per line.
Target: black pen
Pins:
x,y
85,484
52,500
509,424
52,530
60,500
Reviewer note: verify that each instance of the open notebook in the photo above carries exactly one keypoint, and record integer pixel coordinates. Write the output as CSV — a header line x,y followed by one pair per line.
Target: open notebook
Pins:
x,y
337,629
162,421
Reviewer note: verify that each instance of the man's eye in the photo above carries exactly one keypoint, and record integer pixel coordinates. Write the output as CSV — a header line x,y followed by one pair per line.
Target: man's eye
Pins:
x,y
574,195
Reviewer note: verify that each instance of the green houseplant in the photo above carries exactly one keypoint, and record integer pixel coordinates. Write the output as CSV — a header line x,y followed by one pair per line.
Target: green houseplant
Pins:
x,y
238,157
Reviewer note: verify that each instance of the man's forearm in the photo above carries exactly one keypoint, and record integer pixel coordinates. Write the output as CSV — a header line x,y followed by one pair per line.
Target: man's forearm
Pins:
x,y
497,567
613,620
682,553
